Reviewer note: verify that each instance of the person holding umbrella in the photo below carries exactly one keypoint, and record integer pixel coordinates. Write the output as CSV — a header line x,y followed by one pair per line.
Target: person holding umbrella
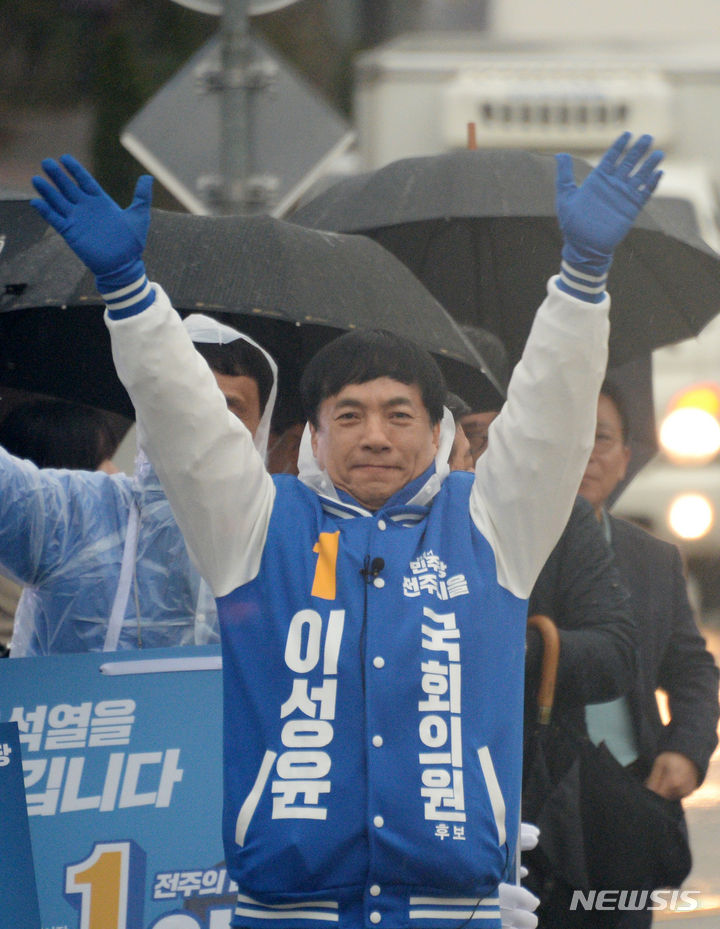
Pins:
x,y
670,758
373,609
103,562
580,596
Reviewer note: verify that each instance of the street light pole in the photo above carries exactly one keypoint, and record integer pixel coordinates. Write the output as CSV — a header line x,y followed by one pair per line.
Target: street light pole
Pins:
x,y
239,80
244,77
235,116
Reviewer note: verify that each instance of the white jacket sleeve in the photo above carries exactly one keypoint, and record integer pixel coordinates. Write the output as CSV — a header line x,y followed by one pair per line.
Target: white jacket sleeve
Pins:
x,y
539,445
216,482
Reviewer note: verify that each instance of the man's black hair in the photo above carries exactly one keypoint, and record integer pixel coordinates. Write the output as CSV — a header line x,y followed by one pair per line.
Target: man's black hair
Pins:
x,y
58,434
613,393
239,358
364,355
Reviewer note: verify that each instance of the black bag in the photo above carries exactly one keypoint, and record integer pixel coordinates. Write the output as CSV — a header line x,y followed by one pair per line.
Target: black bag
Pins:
x,y
634,838
600,827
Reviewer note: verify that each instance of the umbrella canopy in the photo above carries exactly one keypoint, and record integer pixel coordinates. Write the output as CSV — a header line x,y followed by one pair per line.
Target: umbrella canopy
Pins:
x,y
633,380
20,226
293,288
479,229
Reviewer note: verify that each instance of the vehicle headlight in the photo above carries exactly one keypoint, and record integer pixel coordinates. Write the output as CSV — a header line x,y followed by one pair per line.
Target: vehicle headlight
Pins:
x,y
691,516
690,433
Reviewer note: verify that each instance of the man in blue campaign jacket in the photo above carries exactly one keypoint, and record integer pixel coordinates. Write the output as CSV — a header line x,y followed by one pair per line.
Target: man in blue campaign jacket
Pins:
x,y
372,610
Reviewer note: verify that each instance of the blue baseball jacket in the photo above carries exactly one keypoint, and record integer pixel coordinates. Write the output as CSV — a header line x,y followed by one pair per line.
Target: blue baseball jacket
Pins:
x,y
372,661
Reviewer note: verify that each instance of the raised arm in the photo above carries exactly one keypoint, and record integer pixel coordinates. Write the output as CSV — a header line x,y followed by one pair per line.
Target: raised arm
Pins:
x,y
526,482
216,482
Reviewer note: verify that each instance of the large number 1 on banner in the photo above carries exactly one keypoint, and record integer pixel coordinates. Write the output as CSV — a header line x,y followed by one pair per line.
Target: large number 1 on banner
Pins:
x,y
103,882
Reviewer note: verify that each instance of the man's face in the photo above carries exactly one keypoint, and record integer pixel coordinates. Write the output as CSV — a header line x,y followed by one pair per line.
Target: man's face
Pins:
x,y
374,438
609,457
243,397
476,427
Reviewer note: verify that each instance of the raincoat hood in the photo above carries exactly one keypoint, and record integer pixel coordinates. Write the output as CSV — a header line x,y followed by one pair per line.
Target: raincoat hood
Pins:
x,y
206,330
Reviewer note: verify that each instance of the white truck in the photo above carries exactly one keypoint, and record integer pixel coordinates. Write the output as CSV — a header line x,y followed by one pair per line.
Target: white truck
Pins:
x,y
416,96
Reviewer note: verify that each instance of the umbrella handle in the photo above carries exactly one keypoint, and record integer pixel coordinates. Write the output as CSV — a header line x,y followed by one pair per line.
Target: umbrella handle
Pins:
x,y
548,672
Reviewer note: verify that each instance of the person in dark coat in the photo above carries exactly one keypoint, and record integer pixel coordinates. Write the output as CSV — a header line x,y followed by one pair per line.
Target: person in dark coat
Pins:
x,y
580,589
672,759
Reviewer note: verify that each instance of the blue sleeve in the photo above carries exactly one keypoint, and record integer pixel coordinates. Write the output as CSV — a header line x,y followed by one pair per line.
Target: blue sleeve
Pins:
x,y
46,516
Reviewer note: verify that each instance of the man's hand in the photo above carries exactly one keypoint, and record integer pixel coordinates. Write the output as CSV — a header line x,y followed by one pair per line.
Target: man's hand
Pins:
x,y
529,836
517,907
108,239
673,776
595,217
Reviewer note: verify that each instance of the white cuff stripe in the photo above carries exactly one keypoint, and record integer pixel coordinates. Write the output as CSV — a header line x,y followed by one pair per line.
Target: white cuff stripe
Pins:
x,y
325,910
582,288
114,304
466,915
297,905
581,274
455,901
298,914
127,289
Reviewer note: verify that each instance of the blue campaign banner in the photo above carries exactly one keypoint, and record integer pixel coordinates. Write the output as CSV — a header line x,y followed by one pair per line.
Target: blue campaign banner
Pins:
x,y
122,762
18,893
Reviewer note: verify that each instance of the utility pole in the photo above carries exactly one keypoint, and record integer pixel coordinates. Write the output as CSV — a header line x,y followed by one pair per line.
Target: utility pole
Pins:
x,y
243,77
235,116
240,77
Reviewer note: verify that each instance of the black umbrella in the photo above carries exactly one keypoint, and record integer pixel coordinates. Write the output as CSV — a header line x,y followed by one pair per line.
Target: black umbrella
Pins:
x,y
633,380
20,226
294,289
479,229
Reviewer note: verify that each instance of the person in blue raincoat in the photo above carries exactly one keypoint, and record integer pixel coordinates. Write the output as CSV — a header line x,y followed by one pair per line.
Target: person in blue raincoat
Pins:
x,y
52,433
103,562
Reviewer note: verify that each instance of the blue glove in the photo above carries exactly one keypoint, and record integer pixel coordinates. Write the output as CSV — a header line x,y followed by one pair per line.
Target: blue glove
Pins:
x,y
108,239
595,217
